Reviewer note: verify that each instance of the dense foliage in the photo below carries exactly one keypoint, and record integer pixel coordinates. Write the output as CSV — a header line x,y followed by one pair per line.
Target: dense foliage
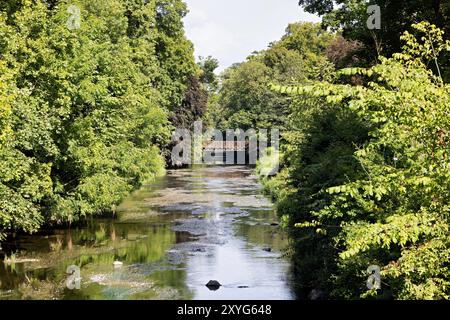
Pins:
x,y
87,108
84,111
300,55
397,16
366,177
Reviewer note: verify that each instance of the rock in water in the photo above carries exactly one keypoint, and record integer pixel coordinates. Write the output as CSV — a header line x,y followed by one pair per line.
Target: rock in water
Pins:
x,y
117,264
267,249
213,285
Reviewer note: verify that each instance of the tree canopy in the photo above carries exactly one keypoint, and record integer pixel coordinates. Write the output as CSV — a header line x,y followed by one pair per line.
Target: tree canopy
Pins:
x,y
366,177
397,16
85,112
298,57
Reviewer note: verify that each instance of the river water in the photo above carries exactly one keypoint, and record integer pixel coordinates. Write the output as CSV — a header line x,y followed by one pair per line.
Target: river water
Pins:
x,y
168,240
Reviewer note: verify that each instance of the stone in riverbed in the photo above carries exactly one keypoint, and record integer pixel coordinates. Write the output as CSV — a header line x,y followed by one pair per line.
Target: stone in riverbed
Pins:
x,y
213,285
274,224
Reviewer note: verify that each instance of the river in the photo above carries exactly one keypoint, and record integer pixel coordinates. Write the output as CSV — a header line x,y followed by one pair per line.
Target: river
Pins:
x,y
168,240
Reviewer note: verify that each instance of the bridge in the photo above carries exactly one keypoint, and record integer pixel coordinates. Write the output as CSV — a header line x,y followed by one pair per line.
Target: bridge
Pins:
x,y
224,146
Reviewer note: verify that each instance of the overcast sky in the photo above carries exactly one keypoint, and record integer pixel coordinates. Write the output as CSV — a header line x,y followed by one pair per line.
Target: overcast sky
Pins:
x,y
230,30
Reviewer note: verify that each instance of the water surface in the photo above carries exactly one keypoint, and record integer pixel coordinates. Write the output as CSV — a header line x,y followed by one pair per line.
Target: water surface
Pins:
x,y
172,237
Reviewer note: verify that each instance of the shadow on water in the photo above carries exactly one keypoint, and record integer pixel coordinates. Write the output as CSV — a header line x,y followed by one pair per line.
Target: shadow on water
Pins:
x,y
170,238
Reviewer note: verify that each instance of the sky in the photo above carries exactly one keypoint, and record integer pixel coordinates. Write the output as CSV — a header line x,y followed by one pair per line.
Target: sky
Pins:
x,y
230,30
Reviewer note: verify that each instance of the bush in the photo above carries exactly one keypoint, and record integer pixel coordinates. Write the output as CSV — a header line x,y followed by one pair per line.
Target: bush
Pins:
x,y
371,174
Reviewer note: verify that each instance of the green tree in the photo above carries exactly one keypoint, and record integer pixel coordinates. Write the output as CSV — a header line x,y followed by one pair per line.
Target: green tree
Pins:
x,y
396,17
84,113
174,53
390,206
193,107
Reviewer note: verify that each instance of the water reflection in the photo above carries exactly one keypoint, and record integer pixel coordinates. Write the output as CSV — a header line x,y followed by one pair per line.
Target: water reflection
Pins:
x,y
171,237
